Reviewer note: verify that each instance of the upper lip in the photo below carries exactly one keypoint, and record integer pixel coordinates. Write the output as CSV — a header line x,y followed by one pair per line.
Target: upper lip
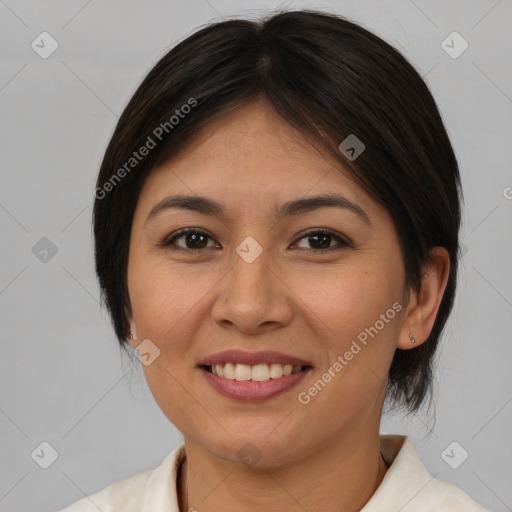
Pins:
x,y
252,358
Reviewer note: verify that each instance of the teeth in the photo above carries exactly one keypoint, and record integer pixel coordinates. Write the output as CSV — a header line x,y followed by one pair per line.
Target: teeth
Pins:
x,y
229,371
258,373
276,371
242,372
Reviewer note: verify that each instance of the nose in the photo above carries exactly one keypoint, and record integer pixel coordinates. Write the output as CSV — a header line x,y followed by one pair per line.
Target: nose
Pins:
x,y
253,297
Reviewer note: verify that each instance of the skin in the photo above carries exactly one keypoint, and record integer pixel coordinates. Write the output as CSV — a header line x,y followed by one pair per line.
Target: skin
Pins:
x,y
294,298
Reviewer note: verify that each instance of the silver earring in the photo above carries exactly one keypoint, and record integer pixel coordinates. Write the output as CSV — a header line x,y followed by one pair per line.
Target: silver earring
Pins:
x,y
132,335
412,338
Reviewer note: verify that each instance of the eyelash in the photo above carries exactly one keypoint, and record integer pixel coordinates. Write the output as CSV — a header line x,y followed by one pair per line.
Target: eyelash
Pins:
x,y
168,242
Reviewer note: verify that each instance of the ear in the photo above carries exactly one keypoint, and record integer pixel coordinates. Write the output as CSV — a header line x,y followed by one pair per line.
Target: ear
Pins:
x,y
133,342
422,309
129,316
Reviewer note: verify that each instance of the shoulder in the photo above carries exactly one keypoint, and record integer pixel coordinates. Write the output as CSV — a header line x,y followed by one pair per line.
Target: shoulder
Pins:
x,y
123,495
443,496
131,494
409,487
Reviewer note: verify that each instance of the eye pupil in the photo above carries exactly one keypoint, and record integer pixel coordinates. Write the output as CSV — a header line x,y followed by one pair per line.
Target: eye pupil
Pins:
x,y
322,237
194,241
194,237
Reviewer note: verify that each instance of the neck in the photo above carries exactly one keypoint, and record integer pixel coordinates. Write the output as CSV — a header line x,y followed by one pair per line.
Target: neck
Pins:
x,y
340,476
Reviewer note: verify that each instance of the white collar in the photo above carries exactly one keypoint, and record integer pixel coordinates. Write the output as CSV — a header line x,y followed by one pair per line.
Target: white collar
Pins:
x,y
407,485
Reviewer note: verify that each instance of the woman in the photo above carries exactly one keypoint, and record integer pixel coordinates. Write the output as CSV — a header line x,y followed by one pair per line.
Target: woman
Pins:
x,y
276,233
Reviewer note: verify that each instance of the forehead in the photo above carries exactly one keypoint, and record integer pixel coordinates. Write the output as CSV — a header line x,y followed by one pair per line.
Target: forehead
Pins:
x,y
250,157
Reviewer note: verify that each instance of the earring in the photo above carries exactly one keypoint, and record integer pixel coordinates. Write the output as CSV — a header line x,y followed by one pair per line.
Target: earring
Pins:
x,y
412,338
132,335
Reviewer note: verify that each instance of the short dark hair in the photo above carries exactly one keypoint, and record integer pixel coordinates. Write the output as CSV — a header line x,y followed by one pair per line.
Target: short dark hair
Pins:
x,y
329,78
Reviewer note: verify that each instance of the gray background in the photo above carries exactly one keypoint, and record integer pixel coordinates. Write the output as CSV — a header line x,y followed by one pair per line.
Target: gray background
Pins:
x,y
62,378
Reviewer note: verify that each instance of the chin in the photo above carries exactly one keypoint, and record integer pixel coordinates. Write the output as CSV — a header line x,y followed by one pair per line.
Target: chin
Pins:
x,y
257,448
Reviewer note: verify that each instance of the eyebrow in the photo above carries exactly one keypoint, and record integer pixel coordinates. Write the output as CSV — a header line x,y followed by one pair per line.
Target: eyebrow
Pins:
x,y
208,206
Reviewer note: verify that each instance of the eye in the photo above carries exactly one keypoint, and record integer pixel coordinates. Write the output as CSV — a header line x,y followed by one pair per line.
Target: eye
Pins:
x,y
324,237
195,239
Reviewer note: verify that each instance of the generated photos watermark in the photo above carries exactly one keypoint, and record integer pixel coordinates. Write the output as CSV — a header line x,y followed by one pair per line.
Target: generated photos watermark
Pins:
x,y
305,397
156,136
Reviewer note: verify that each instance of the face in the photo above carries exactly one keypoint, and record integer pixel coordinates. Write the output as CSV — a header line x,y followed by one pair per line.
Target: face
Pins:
x,y
320,288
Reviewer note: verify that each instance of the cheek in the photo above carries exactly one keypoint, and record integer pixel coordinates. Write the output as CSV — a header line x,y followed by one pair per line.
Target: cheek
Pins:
x,y
170,388
358,321
347,300
165,299
167,304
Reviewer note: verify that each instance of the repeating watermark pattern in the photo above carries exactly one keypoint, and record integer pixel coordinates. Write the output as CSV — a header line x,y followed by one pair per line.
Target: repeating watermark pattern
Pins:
x,y
454,455
139,155
351,147
249,454
44,455
249,249
463,249
304,397
44,45
454,45
174,120
44,249
146,352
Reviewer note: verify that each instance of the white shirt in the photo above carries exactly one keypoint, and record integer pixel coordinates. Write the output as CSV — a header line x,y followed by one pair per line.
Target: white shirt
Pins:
x,y
407,487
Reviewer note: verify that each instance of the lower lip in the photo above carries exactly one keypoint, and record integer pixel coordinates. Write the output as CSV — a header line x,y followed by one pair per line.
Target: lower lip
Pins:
x,y
252,390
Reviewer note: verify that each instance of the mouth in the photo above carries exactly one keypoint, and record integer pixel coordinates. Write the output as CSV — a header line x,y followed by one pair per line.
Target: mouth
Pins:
x,y
256,373
253,376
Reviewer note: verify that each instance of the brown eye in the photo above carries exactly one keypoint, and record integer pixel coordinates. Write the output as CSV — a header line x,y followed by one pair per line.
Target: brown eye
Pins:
x,y
193,239
320,241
